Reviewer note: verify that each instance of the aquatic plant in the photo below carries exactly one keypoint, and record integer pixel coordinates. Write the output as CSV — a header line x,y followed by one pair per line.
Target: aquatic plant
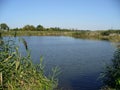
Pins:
x,y
18,72
111,76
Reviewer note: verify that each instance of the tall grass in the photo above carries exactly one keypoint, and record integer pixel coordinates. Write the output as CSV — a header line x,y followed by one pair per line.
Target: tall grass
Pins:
x,y
18,72
115,37
111,76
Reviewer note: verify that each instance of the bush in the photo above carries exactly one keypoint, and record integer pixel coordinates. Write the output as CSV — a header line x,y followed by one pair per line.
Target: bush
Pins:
x,y
111,77
19,72
105,33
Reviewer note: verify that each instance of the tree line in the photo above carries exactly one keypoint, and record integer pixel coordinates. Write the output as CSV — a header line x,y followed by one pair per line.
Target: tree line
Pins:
x,y
5,27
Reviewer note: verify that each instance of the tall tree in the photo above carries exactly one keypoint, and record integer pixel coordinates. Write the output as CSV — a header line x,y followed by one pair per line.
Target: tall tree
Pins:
x,y
4,26
39,27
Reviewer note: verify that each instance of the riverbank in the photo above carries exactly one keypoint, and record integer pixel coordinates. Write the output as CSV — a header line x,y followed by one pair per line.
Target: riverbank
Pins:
x,y
97,35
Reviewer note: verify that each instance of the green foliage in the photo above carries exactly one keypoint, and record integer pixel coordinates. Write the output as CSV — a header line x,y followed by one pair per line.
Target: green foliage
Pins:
x,y
18,72
105,33
111,77
4,26
16,29
108,32
29,28
39,28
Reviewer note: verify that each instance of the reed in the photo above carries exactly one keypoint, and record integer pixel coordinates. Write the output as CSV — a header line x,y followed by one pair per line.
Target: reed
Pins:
x,y
95,35
111,76
18,72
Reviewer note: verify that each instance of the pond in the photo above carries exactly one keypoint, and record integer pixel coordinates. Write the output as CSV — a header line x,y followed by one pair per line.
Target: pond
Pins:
x,y
81,61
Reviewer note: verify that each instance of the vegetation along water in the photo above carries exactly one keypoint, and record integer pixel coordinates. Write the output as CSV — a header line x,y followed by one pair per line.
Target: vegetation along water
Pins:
x,y
18,72
77,59
39,30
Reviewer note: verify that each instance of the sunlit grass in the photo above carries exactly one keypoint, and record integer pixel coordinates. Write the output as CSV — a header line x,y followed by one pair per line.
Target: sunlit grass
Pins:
x,y
77,34
18,72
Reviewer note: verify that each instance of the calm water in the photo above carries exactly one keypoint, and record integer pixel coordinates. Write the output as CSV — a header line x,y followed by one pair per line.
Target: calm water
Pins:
x,y
81,61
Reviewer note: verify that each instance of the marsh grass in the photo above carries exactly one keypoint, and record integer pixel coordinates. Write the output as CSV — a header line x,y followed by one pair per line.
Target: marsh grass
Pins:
x,y
111,76
18,72
94,35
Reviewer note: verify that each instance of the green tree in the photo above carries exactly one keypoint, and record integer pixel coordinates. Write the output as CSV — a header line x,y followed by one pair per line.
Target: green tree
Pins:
x,y
4,26
29,28
39,27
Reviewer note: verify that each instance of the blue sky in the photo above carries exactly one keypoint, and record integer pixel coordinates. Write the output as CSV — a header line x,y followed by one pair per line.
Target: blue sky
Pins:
x,y
77,14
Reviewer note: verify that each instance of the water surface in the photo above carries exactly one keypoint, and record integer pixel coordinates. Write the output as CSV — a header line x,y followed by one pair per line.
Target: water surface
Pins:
x,y
80,61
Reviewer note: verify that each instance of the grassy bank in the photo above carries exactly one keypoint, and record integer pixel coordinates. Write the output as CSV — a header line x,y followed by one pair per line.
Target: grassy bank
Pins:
x,y
36,33
99,35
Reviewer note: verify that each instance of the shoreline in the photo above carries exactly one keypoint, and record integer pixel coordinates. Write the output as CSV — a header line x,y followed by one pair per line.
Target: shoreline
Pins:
x,y
94,35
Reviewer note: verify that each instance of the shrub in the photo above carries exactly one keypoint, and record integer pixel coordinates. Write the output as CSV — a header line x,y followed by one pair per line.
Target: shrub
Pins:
x,y
111,76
